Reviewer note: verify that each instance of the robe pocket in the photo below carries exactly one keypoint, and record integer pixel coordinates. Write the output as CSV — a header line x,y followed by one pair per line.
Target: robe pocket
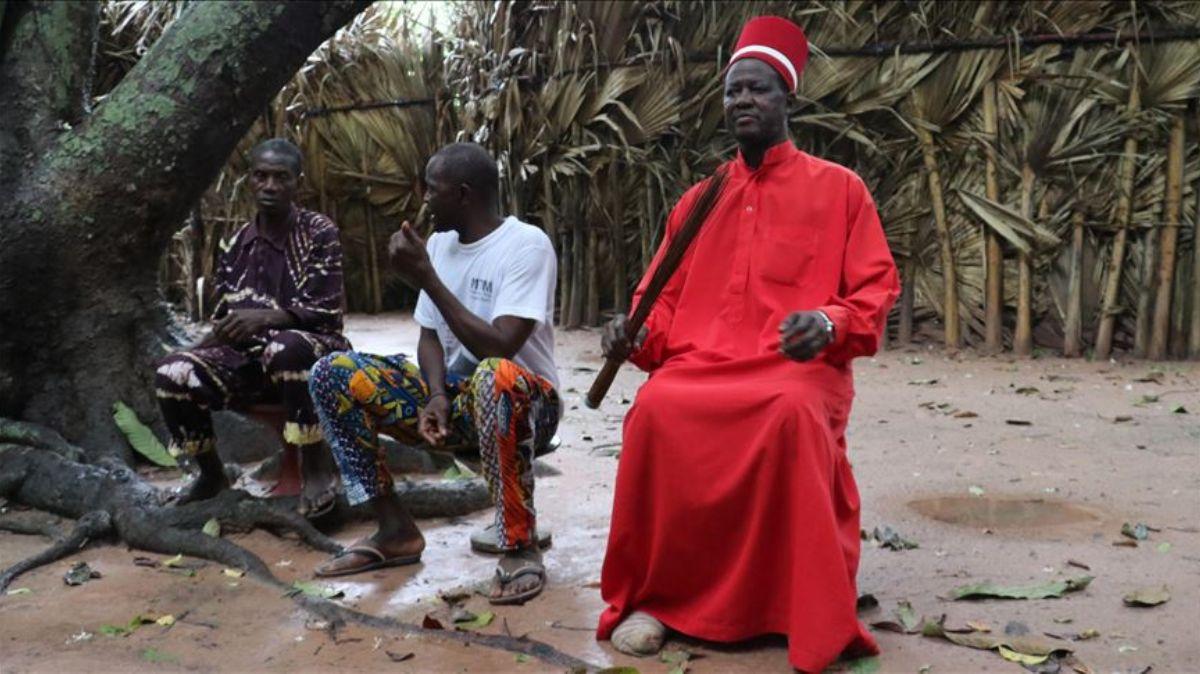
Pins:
x,y
784,261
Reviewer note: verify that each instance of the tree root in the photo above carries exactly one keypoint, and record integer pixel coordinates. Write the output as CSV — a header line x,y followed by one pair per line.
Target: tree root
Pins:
x,y
541,650
92,525
110,498
34,523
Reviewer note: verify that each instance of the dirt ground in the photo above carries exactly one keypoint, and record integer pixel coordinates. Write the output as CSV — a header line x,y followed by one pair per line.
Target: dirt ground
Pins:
x,y
1092,436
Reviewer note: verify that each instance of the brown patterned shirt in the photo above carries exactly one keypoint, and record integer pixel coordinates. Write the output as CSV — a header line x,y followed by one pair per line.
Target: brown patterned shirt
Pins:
x,y
300,274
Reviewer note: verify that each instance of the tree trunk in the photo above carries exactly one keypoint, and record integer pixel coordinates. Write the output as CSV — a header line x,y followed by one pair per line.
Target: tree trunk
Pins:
x,y
993,253
1146,289
81,229
1166,268
1109,308
949,280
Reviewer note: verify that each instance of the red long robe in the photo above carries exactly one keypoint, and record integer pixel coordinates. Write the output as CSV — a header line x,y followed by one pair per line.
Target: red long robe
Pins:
x,y
736,513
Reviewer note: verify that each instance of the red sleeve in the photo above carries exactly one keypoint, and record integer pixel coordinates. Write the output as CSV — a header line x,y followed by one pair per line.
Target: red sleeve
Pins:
x,y
653,351
869,284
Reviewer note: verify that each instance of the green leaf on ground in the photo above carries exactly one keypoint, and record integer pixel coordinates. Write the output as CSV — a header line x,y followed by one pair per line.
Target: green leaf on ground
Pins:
x,y
459,471
1148,596
155,655
1164,547
1047,590
475,621
975,490
311,589
212,528
19,590
173,562
114,630
1179,409
1146,400
868,665
521,658
1138,532
140,437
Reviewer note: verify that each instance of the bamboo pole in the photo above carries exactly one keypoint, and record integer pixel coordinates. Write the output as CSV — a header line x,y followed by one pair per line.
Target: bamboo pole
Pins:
x,y
1023,335
619,280
551,227
578,289
993,253
1166,270
1073,328
591,313
1147,285
372,259
949,280
649,222
1194,327
1112,288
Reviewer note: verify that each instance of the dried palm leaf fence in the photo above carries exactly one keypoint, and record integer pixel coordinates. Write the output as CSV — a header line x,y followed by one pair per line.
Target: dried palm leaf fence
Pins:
x,y
1035,164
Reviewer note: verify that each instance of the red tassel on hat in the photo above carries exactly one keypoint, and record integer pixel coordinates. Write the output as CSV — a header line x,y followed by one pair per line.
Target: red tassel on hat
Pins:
x,y
777,42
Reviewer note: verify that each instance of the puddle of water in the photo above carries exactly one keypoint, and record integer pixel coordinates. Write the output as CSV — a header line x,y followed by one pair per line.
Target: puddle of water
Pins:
x,y
1001,513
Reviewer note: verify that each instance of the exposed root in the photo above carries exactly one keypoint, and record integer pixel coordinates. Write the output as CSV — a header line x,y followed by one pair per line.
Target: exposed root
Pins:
x,y
541,650
34,435
35,523
92,525
110,498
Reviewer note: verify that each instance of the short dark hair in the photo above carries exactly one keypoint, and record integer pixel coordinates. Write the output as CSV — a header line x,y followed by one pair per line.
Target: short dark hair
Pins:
x,y
282,148
469,163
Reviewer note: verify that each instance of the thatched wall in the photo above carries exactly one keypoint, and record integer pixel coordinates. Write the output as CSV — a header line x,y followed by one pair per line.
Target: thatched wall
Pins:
x,y
1053,148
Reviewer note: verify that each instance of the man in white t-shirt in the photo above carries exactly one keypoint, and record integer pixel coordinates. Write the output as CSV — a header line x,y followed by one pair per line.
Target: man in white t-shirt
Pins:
x,y
484,375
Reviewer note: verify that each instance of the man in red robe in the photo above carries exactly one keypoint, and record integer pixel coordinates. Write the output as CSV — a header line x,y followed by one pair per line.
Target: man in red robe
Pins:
x,y
736,512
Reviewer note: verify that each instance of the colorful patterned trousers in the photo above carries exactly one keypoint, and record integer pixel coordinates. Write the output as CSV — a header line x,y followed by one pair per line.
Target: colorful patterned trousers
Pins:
x,y
191,384
503,409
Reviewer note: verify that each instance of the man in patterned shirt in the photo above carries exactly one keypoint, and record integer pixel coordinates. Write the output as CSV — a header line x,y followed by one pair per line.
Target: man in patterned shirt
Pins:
x,y
278,288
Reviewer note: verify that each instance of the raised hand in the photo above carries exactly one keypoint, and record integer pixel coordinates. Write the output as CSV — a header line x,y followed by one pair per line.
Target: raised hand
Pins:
x,y
406,249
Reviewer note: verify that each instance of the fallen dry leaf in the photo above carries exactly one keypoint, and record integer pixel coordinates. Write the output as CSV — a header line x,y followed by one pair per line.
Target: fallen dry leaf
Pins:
x,y
1148,596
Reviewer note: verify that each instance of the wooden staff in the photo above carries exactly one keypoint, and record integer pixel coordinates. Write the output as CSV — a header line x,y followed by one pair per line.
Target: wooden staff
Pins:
x,y
662,273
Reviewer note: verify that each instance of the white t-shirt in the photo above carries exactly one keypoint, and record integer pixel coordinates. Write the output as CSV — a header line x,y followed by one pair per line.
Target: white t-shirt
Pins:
x,y
510,272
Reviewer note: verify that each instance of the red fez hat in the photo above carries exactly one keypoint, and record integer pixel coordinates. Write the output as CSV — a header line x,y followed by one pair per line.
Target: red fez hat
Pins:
x,y
777,42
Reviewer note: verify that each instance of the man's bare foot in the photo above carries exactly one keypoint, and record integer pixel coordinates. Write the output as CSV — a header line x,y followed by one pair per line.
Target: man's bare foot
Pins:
x,y
379,551
320,481
520,576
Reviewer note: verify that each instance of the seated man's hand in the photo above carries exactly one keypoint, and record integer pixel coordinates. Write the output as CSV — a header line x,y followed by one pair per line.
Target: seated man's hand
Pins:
x,y
241,325
406,249
615,342
433,423
803,334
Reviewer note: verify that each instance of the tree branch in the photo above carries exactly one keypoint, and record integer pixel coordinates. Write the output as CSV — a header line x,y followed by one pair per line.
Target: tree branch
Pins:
x,y
165,131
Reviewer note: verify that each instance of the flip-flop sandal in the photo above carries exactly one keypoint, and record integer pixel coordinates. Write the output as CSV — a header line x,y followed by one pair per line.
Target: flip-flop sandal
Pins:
x,y
381,561
487,540
529,569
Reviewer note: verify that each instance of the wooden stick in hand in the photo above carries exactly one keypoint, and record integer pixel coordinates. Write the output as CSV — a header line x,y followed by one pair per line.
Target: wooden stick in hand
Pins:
x,y
678,247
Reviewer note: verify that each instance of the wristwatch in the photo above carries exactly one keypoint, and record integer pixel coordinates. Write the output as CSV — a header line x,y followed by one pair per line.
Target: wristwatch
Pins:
x,y
829,326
